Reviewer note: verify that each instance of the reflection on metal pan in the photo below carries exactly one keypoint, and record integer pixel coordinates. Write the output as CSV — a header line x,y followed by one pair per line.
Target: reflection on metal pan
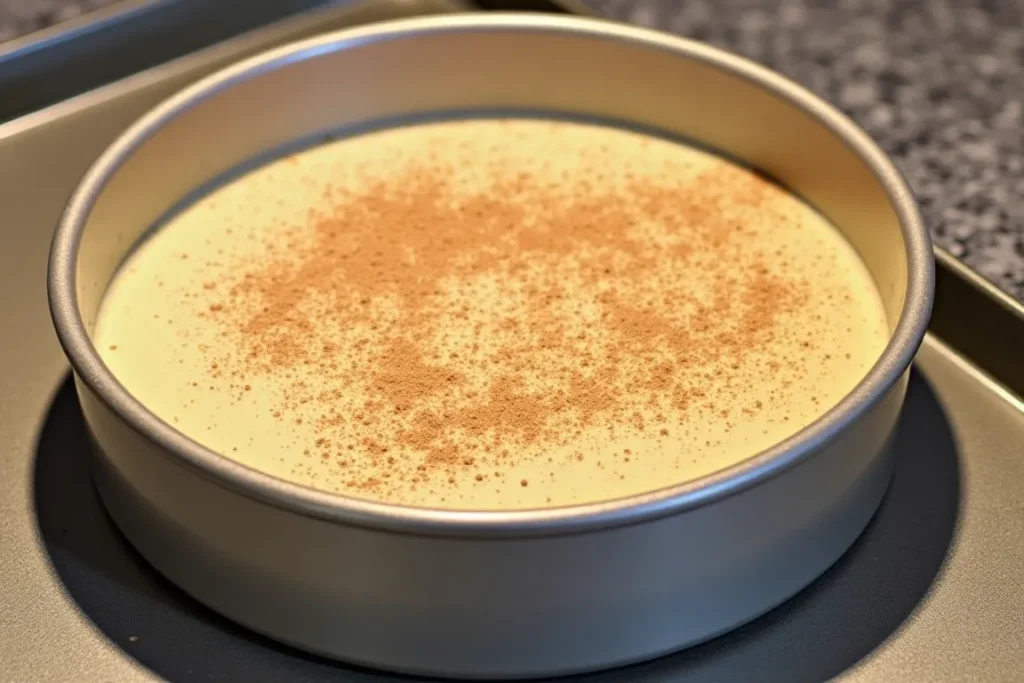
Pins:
x,y
188,510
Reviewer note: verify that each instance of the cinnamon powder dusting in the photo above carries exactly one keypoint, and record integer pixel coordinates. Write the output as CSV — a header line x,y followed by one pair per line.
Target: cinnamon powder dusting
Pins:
x,y
466,321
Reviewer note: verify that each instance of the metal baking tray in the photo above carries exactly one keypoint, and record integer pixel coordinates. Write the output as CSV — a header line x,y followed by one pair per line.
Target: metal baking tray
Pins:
x,y
930,592
121,38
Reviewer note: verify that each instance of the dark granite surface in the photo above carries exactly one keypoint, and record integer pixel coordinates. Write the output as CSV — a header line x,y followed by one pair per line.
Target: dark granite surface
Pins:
x,y
20,17
939,83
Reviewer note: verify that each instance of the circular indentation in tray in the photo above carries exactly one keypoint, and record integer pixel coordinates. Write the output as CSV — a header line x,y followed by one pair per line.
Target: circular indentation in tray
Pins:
x,y
827,628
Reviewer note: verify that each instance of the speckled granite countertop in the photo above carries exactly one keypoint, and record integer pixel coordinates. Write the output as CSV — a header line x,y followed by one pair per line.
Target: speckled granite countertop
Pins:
x,y
19,17
940,84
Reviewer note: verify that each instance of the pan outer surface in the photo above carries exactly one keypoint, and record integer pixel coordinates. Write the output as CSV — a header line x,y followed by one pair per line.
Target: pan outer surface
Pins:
x,y
492,595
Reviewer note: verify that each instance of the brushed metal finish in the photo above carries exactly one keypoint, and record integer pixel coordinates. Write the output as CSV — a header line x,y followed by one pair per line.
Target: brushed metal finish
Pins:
x,y
525,593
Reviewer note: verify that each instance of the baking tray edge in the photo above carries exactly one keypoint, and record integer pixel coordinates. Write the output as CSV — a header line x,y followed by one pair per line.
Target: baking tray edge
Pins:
x,y
110,43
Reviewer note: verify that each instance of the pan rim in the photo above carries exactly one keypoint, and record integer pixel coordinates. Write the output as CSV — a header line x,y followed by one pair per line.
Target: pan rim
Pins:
x,y
90,370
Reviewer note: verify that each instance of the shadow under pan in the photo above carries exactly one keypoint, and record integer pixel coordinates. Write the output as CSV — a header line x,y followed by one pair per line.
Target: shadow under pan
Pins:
x,y
827,628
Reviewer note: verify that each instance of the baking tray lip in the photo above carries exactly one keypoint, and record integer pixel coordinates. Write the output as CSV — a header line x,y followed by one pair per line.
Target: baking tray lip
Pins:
x,y
92,20
884,375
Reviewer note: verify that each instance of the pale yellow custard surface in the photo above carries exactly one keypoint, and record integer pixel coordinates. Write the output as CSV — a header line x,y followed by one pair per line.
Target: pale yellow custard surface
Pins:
x,y
493,314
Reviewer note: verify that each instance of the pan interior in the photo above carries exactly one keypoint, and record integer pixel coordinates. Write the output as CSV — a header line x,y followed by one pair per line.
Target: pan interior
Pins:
x,y
493,313
199,145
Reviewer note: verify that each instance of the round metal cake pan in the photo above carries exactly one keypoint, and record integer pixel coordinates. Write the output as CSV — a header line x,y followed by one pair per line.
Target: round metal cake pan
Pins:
x,y
492,594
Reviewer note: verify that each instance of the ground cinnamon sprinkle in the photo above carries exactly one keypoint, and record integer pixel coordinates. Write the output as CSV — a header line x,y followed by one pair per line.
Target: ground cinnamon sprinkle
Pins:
x,y
484,324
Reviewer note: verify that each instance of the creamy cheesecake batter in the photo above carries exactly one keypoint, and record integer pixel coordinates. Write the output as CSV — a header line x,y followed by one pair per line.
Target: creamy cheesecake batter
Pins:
x,y
493,314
